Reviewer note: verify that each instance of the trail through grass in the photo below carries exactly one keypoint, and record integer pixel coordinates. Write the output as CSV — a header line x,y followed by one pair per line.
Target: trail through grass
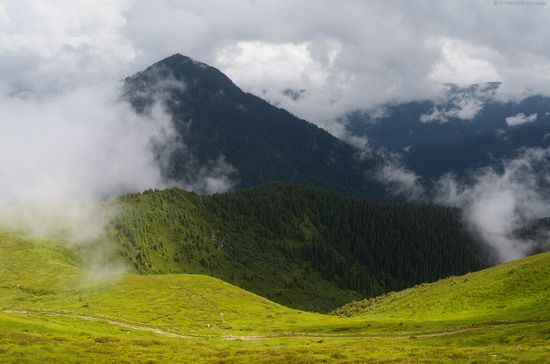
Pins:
x,y
140,327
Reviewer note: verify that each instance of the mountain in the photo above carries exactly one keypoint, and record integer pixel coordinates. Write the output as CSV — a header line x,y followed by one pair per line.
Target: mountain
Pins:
x,y
255,141
298,246
235,139
467,155
460,114
58,304
467,128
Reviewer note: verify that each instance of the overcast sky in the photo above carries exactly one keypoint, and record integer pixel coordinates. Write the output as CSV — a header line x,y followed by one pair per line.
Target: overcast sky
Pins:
x,y
347,54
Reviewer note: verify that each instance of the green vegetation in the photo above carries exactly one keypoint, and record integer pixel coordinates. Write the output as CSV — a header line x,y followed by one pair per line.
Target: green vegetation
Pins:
x,y
297,246
515,289
58,304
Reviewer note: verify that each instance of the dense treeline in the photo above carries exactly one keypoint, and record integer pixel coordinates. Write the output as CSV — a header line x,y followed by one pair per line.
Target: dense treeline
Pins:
x,y
296,245
364,246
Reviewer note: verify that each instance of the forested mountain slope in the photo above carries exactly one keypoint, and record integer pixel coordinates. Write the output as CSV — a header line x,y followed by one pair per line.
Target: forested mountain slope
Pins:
x,y
298,246
262,143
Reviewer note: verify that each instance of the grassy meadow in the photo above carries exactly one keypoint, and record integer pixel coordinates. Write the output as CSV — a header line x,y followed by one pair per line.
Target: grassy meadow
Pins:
x,y
59,304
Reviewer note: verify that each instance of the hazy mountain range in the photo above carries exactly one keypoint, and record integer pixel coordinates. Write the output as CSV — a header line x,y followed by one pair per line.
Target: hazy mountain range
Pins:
x,y
466,129
236,140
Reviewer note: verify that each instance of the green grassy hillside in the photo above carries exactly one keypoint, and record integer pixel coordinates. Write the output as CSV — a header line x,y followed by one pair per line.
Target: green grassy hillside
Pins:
x,y
54,276
297,246
59,303
518,290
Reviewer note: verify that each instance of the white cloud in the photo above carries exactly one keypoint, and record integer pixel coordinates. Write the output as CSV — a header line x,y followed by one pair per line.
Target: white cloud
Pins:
x,y
348,55
495,205
355,54
463,108
520,119
63,153
52,46
267,69
498,203
287,65
435,115
464,64
211,178
399,180
460,103
67,139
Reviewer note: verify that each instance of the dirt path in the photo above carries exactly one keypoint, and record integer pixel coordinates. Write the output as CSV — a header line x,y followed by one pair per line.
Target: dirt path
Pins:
x,y
135,326
320,337
104,320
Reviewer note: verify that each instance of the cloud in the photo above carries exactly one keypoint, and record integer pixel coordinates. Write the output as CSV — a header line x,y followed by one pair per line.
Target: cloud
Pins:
x,y
48,47
214,177
520,119
499,203
351,55
63,153
463,109
290,65
399,180
333,51
269,69
463,63
460,103
354,55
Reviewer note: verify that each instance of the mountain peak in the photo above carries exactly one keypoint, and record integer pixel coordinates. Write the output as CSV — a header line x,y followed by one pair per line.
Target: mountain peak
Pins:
x,y
178,56
178,60
196,75
260,141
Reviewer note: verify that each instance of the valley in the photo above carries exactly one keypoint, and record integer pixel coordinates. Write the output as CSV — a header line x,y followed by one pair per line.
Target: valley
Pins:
x,y
296,245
